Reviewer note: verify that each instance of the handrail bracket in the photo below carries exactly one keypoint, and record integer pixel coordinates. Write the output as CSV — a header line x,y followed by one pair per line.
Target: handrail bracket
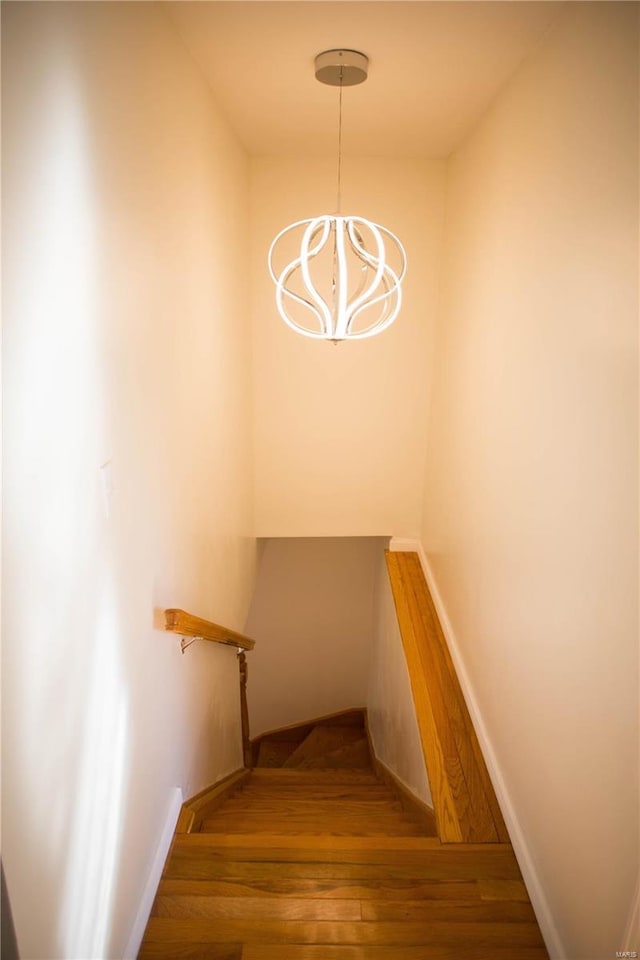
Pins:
x,y
184,643
185,624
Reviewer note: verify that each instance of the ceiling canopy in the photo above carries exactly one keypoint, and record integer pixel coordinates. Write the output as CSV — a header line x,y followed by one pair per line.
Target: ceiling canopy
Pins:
x,y
434,69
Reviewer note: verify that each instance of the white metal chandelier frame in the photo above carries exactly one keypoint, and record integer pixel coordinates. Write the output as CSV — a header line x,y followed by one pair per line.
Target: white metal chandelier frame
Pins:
x,y
362,277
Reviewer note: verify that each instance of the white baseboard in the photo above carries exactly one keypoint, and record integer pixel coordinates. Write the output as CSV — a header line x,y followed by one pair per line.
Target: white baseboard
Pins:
x,y
518,840
632,936
153,881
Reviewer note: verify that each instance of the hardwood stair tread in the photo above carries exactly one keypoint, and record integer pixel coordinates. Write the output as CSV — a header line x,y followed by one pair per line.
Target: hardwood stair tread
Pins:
x,y
256,908
348,869
257,817
261,816
472,951
182,950
363,932
342,889
211,856
291,908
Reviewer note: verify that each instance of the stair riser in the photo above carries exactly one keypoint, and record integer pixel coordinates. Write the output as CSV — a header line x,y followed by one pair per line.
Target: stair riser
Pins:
x,y
306,828
321,793
288,775
343,808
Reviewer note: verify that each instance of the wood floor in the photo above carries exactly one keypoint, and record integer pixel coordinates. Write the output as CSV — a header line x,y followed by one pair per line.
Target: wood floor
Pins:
x,y
307,861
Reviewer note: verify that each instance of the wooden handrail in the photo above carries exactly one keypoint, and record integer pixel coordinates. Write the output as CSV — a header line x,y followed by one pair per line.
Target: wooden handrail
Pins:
x,y
464,801
178,621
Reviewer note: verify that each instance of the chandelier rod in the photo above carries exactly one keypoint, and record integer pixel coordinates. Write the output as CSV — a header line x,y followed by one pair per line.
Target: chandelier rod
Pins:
x,y
339,190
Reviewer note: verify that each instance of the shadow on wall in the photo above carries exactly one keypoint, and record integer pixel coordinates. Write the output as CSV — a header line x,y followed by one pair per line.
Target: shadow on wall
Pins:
x,y
65,696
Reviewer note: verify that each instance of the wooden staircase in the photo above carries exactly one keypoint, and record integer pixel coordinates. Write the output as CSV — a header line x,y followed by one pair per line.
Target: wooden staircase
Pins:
x,y
339,741
314,855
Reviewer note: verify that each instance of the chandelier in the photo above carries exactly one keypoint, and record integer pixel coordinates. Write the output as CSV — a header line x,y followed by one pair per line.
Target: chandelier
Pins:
x,y
338,277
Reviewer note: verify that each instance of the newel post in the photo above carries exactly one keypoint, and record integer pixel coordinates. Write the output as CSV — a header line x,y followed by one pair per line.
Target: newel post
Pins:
x,y
244,709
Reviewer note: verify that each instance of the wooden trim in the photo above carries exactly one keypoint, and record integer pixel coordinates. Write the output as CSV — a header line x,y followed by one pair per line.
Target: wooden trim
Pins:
x,y
465,804
186,820
178,621
195,810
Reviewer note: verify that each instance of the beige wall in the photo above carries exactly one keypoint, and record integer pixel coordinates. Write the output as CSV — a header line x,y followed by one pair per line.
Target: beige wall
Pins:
x,y
126,341
312,618
327,640
340,430
531,497
392,717
125,204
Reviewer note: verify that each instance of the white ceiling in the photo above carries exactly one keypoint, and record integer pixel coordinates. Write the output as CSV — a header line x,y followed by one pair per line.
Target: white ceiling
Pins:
x,y
434,68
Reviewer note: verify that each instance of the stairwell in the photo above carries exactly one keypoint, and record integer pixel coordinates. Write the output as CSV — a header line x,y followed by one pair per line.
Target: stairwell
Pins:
x,y
315,855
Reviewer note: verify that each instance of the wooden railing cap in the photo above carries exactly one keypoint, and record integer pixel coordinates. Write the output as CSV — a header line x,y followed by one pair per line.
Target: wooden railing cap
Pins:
x,y
185,624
